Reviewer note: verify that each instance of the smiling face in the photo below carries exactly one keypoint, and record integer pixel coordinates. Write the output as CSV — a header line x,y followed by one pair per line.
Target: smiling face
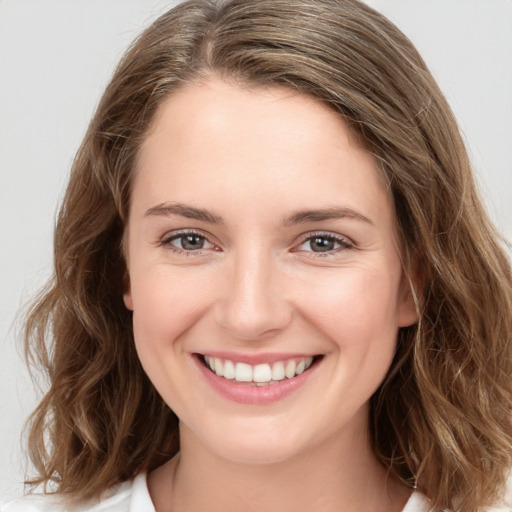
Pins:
x,y
261,244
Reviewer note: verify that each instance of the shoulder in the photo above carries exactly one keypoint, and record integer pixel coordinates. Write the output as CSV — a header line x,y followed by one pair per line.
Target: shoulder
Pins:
x,y
131,496
419,503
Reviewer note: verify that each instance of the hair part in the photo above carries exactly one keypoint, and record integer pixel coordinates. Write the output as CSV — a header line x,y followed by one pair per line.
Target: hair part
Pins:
x,y
441,421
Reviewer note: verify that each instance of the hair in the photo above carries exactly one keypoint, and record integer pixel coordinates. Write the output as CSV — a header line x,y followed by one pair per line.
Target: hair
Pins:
x,y
441,421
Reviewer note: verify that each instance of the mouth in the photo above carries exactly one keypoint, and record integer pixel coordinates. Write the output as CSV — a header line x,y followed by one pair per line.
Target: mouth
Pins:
x,y
263,374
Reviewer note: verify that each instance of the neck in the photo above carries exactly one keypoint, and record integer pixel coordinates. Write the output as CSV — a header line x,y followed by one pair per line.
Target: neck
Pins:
x,y
339,474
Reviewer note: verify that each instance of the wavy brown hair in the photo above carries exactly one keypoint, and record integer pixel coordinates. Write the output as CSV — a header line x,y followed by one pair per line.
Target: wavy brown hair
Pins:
x,y
441,421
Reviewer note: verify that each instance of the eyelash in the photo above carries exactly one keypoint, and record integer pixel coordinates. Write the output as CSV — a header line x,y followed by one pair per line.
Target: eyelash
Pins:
x,y
167,242
342,242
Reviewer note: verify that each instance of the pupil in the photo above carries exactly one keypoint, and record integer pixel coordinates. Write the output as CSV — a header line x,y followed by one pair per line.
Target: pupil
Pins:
x,y
322,244
192,242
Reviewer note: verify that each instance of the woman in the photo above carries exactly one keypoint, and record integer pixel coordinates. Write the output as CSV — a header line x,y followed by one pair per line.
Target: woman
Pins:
x,y
275,285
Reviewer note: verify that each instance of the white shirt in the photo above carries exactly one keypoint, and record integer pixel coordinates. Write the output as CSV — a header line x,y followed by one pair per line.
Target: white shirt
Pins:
x,y
133,496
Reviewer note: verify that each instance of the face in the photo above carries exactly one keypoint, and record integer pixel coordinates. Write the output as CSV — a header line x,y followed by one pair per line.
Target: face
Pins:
x,y
263,273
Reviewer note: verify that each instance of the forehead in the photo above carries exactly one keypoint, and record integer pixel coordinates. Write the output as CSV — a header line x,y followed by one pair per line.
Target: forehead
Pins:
x,y
233,112
220,138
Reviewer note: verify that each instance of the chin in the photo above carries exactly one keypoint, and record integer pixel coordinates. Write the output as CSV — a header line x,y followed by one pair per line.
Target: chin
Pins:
x,y
258,443
262,454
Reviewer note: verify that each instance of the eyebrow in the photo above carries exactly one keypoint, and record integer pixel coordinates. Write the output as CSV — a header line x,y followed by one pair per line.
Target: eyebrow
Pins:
x,y
303,216
189,212
297,217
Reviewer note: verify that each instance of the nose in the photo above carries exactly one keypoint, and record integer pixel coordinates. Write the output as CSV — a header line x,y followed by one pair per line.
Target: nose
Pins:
x,y
252,304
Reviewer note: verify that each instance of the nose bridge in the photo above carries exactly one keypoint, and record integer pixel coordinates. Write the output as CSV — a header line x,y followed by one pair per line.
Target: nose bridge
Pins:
x,y
253,303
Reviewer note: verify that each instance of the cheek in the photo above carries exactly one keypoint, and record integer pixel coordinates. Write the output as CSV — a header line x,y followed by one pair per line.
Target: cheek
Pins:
x,y
355,308
354,313
164,307
357,313
163,296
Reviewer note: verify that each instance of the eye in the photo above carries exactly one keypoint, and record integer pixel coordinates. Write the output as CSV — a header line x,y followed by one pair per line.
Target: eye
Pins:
x,y
324,243
187,242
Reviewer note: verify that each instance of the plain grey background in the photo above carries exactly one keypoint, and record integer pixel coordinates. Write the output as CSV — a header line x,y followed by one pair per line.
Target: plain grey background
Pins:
x,y
55,59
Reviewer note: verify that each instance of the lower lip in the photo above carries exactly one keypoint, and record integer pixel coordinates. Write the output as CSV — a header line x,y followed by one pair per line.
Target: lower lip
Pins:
x,y
256,395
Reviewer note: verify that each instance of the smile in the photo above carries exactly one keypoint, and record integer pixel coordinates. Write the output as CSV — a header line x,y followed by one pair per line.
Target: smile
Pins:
x,y
259,374
256,379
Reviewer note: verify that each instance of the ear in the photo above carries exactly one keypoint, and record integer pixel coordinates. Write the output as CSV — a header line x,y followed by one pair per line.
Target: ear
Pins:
x,y
127,285
127,293
409,299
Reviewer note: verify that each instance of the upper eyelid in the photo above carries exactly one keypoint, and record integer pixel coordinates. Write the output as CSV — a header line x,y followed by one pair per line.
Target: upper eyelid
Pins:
x,y
299,240
175,233
326,234
166,242
208,236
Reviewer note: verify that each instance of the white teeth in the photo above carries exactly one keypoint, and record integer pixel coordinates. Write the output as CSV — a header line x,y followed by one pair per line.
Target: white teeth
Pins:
x,y
229,369
304,365
211,362
289,371
219,367
260,374
278,371
243,372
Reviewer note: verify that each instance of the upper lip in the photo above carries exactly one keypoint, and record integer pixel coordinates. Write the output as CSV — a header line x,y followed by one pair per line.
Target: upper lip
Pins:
x,y
256,358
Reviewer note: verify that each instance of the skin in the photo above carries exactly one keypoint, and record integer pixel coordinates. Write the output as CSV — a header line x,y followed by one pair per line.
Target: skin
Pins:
x,y
259,285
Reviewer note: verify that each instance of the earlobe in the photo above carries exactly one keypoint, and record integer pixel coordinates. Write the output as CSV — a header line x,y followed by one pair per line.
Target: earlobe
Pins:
x,y
409,302
408,314
127,294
